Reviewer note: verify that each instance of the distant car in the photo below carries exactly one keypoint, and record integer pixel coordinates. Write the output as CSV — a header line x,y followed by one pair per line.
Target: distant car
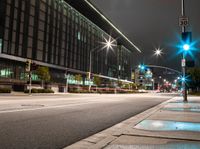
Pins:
x,y
142,91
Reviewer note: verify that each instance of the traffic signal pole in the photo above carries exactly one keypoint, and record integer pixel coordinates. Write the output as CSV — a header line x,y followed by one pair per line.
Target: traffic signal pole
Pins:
x,y
28,70
184,57
30,81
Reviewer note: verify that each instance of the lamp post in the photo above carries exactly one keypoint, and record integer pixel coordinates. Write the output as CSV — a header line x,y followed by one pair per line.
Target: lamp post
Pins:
x,y
66,83
153,84
108,44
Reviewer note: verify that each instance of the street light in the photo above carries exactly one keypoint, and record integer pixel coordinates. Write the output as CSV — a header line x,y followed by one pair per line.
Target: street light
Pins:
x,y
108,44
158,52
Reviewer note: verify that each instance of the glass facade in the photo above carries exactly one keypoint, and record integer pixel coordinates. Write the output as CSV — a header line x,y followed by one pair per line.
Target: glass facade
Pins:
x,y
52,32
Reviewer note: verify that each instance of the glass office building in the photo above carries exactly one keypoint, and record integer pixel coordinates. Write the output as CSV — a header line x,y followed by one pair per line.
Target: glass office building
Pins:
x,y
54,33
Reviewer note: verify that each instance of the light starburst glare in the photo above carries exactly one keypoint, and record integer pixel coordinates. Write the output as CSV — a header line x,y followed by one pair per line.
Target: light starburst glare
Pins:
x,y
158,52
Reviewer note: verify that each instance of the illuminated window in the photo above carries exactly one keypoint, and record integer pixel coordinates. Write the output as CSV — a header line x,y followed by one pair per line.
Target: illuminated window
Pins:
x,y
6,73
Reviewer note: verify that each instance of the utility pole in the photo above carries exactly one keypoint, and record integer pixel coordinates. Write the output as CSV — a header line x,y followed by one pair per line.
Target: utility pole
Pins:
x,y
30,81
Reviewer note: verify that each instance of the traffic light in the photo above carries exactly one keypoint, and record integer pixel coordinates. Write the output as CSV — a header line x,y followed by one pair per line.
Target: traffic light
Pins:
x,y
33,66
186,40
28,66
142,67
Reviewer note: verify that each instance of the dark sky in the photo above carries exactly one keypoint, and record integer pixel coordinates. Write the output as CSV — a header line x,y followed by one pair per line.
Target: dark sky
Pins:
x,y
151,24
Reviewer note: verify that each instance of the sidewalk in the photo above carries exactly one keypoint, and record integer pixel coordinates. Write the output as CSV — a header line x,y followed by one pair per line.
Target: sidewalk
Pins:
x,y
170,125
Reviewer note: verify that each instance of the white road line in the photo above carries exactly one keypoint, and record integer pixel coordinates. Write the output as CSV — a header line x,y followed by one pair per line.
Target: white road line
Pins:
x,y
44,108
53,107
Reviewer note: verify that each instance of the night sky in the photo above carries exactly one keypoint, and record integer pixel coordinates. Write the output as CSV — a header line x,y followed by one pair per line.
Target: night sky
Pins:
x,y
151,24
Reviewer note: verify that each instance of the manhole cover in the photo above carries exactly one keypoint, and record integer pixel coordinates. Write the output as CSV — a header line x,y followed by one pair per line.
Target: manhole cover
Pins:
x,y
32,105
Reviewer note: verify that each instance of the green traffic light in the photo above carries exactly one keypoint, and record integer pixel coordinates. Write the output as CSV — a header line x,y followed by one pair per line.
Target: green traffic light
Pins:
x,y
186,47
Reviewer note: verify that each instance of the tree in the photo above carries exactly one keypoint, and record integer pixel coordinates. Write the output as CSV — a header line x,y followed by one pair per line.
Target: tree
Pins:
x,y
97,81
119,83
78,79
194,81
134,86
43,74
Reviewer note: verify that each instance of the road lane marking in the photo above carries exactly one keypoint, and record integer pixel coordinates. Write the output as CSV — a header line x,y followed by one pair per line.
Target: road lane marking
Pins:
x,y
52,107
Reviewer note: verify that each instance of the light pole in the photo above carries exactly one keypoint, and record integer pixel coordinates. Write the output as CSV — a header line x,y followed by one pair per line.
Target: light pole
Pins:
x,y
66,83
108,45
153,84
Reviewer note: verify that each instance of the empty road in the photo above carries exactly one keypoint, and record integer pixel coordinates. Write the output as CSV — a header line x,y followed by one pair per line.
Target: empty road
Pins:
x,y
56,121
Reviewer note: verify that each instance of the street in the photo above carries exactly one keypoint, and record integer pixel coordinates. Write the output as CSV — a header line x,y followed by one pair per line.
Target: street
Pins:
x,y
59,120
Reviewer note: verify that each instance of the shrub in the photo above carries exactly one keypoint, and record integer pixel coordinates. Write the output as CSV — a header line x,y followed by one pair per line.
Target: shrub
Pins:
x,y
34,90
48,91
5,90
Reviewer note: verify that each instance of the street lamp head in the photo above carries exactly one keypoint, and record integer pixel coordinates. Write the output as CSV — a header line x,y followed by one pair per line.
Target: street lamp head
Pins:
x,y
158,52
109,43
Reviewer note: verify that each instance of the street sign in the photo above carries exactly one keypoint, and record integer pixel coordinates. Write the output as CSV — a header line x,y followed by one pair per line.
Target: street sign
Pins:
x,y
183,62
183,21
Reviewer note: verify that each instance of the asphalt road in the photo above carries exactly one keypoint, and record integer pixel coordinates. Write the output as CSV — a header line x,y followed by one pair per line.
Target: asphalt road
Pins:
x,y
54,122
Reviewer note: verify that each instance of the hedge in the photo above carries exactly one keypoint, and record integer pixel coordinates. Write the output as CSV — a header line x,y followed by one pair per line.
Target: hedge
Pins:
x,y
34,90
5,90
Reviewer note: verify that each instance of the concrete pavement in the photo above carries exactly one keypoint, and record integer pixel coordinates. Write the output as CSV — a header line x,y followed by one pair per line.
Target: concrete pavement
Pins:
x,y
172,124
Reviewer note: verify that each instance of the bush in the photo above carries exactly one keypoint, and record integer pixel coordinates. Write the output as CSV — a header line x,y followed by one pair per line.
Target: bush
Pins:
x,y
48,91
5,90
195,93
34,90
